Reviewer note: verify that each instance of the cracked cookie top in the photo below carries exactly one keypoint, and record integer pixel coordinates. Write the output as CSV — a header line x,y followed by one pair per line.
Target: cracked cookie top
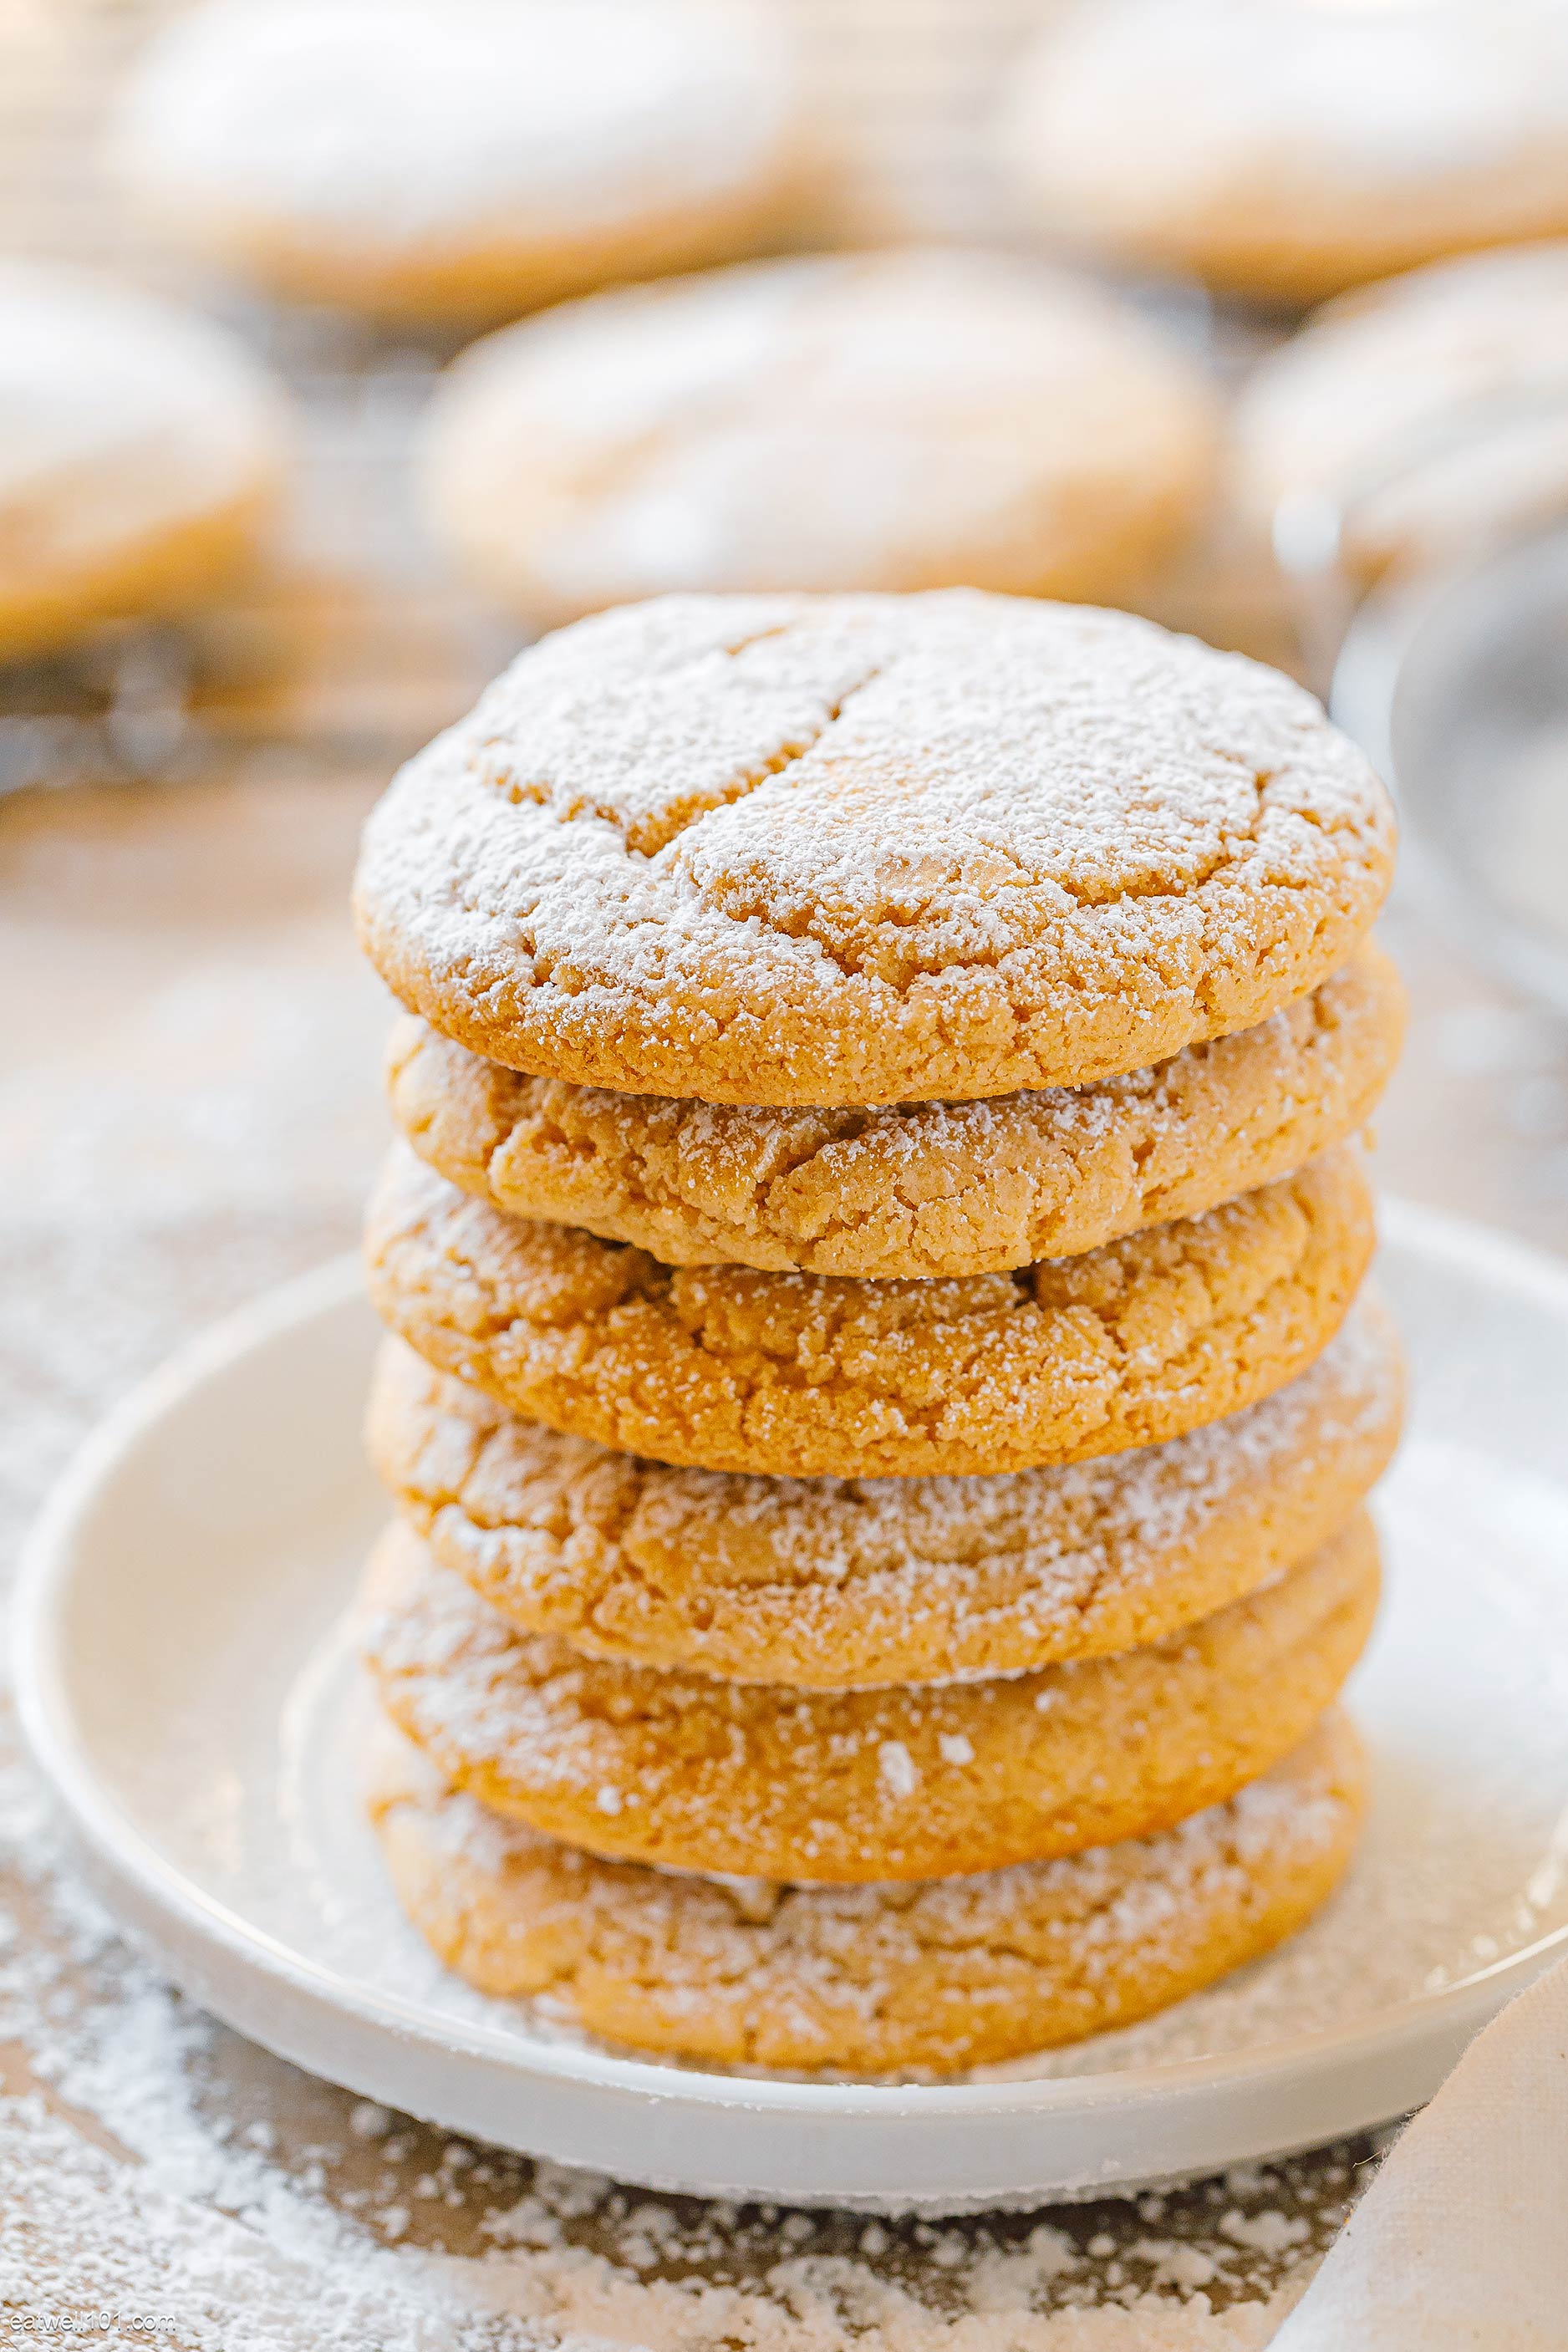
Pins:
x,y
897,420
461,160
865,849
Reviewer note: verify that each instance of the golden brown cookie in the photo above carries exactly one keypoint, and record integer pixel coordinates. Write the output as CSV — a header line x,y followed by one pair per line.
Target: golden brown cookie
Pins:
x,y
910,418
837,1583
867,849
1289,151
946,1973
462,159
1424,415
853,1786
819,1375
914,1187
142,455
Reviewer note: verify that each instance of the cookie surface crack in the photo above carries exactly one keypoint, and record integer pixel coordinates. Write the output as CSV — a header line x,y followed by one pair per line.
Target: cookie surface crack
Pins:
x,y
645,832
647,837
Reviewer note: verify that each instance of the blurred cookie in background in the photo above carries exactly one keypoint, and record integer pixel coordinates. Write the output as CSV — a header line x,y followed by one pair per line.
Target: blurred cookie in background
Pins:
x,y
142,453
1422,417
1286,150
916,418
451,160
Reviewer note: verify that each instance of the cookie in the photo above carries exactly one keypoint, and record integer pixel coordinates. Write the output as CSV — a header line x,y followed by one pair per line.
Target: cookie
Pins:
x,y
1425,413
1289,151
462,159
868,849
143,455
848,1787
951,1973
832,1583
896,420
814,1375
914,1187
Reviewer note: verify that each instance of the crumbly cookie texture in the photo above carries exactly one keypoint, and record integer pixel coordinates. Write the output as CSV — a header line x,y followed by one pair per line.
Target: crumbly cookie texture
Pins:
x,y
837,1584
722,1367
911,418
856,1786
948,1974
913,1188
462,159
869,850
1426,409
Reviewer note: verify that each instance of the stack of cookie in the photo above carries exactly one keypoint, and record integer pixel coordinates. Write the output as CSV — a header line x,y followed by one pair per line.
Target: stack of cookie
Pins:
x,y
876,1411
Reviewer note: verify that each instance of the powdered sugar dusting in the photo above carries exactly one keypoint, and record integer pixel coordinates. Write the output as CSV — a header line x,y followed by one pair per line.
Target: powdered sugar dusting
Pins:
x,y
944,1188
881,1976
1463,1862
405,119
819,1784
875,1580
899,1770
331,2223
122,415
1429,406
1467,1712
1302,119
861,848
844,421
733,1370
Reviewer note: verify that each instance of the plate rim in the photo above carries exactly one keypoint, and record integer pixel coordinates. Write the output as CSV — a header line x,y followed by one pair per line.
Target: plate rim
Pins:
x,y
113,1837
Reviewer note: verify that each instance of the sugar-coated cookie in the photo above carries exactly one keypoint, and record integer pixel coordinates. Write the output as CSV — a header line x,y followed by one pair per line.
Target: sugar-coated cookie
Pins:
x,y
463,159
141,459
905,419
946,1974
853,1786
1290,150
835,1583
819,1375
1423,413
912,1188
864,849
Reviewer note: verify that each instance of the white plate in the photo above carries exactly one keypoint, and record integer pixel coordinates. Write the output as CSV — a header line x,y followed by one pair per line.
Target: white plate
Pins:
x,y
187,1691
